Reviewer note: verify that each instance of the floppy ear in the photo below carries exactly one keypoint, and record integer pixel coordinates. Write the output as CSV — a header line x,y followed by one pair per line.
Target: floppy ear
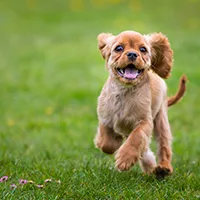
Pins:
x,y
161,54
104,44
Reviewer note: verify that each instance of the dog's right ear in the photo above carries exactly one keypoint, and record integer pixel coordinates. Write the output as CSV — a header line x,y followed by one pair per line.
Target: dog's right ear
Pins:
x,y
104,44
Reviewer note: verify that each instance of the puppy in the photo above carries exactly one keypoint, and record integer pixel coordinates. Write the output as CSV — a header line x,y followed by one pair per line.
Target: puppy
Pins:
x,y
133,102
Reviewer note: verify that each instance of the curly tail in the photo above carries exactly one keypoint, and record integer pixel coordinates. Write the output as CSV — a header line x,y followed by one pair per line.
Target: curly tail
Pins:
x,y
181,91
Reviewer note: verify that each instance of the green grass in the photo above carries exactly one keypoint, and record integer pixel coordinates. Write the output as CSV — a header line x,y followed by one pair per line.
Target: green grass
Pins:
x,y
51,76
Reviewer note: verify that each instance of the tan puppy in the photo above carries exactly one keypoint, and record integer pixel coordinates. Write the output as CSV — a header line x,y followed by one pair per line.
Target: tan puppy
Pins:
x,y
133,102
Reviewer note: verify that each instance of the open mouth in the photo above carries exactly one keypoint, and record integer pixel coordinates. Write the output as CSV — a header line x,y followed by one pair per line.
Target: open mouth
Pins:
x,y
129,72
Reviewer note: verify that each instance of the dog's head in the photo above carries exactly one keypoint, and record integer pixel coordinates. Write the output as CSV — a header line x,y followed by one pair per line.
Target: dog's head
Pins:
x,y
129,55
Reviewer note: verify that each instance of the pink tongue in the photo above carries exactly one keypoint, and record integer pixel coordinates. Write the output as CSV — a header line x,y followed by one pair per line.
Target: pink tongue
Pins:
x,y
130,73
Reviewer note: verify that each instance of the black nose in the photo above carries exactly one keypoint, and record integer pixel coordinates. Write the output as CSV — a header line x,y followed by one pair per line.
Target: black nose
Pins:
x,y
132,55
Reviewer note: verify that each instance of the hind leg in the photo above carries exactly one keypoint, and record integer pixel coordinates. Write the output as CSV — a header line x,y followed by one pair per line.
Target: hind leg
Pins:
x,y
107,140
164,138
148,161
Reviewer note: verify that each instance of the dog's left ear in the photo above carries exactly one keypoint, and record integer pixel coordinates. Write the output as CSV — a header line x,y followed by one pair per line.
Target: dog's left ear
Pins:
x,y
104,44
161,54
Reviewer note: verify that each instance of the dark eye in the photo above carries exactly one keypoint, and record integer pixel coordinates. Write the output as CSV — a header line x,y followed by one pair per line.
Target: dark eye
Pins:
x,y
143,49
119,48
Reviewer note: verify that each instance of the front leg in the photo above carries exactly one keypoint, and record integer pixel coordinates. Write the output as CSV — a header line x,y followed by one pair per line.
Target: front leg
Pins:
x,y
132,149
107,140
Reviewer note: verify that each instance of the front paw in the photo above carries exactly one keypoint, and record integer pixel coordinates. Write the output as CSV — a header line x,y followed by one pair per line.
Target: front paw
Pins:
x,y
126,157
163,170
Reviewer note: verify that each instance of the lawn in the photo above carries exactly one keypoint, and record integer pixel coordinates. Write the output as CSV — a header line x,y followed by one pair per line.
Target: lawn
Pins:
x,y
51,76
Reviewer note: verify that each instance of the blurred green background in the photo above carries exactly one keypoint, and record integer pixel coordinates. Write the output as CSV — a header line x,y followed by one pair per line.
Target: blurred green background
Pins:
x,y
51,76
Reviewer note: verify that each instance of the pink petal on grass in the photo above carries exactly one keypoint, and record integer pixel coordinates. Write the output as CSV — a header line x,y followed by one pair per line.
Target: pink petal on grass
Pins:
x,y
48,180
23,182
40,186
13,186
3,179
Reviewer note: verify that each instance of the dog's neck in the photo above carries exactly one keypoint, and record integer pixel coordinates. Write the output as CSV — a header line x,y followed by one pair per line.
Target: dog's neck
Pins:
x,y
116,84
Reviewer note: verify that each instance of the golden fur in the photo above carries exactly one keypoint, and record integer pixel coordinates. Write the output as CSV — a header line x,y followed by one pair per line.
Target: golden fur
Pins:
x,y
132,108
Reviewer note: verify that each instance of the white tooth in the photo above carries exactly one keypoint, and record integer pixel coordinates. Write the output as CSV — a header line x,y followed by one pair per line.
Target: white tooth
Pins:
x,y
122,71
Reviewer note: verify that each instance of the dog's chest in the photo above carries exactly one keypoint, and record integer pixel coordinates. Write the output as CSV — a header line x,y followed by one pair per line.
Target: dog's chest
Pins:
x,y
121,110
124,115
